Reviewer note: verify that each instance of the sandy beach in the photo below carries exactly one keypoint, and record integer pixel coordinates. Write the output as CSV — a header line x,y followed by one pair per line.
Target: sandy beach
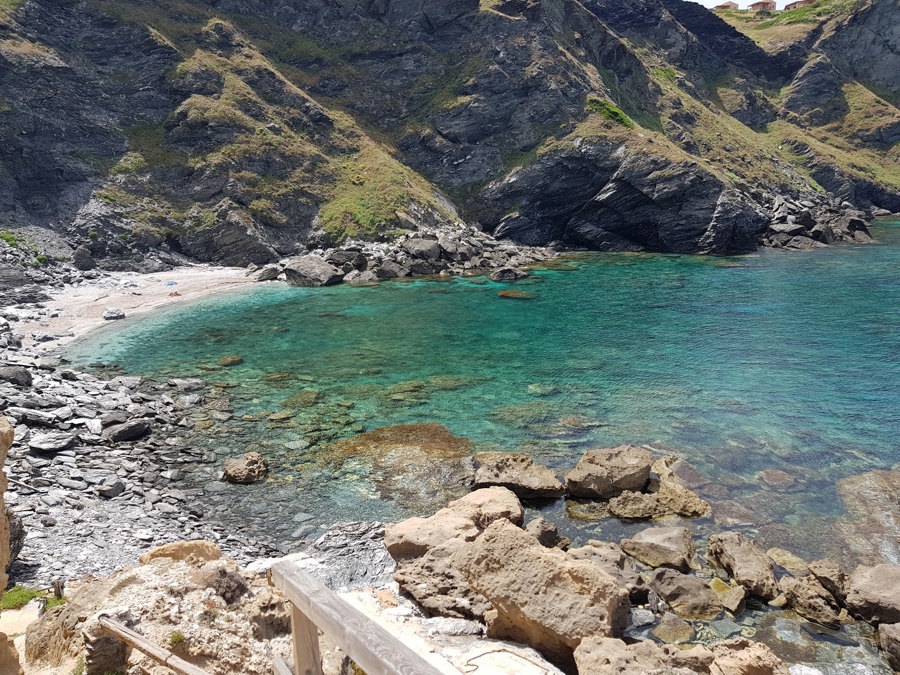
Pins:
x,y
75,310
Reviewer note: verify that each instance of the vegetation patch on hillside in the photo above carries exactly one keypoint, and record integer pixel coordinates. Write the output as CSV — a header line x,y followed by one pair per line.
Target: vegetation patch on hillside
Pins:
x,y
609,111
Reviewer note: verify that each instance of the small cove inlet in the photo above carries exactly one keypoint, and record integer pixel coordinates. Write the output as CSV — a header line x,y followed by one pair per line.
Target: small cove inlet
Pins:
x,y
775,375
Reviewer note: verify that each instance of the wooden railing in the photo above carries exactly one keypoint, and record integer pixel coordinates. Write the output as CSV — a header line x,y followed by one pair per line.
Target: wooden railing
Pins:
x,y
137,641
368,644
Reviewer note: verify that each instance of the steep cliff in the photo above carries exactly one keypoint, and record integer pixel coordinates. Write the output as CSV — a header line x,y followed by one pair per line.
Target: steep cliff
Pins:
x,y
242,131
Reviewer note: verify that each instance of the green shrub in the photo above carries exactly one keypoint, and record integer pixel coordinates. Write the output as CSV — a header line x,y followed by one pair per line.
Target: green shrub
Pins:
x,y
53,601
176,637
19,596
610,111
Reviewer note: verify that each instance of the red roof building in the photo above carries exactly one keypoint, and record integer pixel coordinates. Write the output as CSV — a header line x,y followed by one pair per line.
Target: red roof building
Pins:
x,y
799,3
727,5
763,6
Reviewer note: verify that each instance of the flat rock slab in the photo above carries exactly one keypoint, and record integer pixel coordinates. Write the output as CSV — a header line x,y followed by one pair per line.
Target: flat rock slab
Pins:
x,y
662,547
51,442
517,472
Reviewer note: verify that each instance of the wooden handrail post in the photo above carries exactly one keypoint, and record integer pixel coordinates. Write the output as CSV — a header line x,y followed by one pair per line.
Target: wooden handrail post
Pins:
x,y
305,638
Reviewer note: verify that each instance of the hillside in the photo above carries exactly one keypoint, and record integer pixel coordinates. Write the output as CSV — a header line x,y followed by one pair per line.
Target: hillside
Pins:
x,y
240,131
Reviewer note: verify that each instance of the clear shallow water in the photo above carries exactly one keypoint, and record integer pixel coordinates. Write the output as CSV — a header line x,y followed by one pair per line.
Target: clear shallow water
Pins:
x,y
786,361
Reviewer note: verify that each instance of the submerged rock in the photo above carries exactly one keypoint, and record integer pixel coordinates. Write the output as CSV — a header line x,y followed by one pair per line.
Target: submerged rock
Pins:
x,y
248,468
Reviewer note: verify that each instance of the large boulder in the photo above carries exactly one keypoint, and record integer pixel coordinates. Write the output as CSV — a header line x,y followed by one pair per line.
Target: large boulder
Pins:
x,y
16,375
424,549
541,597
662,547
745,562
610,559
687,595
810,599
607,472
519,473
248,468
462,519
873,593
671,494
311,270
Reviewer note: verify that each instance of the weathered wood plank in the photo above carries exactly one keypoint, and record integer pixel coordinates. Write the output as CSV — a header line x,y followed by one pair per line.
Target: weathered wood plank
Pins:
x,y
307,659
373,648
281,668
155,652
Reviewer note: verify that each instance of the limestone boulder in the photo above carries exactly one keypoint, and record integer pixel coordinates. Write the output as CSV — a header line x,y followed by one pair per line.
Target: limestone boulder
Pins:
x,y
745,562
607,472
662,547
519,473
635,505
687,595
673,630
248,468
810,599
197,550
889,641
743,657
610,558
311,270
873,593
463,519
576,598
609,656
831,576
439,588
673,496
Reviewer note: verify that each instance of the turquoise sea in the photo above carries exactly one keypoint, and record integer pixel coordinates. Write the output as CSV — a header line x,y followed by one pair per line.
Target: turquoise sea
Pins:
x,y
784,361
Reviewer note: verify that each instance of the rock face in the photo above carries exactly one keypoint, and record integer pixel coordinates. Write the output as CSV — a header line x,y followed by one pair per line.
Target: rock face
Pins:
x,y
248,468
662,547
873,593
745,562
311,270
6,440
517,472
606,473
506,565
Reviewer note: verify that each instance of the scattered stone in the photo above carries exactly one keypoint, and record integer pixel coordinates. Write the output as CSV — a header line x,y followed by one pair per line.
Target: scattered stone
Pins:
x,y
51,442
128,431
606,473
249,468
519,473
113,314
16,374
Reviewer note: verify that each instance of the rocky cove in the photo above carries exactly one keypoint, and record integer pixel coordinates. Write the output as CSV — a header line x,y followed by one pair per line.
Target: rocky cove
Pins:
x,y
96,451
